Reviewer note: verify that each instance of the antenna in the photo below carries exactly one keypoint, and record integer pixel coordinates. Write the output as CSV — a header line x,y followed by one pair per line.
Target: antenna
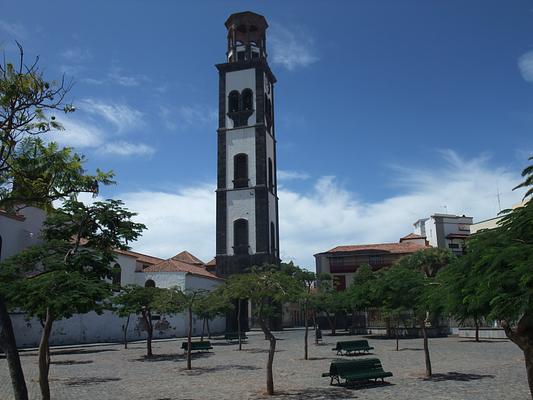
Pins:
x,y
445,209
498,196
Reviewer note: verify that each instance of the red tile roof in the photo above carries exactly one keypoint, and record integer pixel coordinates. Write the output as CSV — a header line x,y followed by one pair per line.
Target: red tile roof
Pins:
x,y
394,248
412,236
142,258
176,265
212,263
11,215
188,258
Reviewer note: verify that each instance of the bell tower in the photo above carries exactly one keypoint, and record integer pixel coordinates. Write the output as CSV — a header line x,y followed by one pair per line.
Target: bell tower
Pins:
x,y
247,203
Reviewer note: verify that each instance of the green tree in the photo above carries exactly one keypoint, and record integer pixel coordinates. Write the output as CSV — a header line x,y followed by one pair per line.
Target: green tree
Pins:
x,y
502,258
427,304
237,290
208,307
70,266
331,302
268,286
138,300
459,286
27,104
360,294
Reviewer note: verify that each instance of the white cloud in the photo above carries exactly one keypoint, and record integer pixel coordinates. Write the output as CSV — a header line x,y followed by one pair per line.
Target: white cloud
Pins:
x,y
122,148
13,28
291,49
122,116
329,215
117,75
186,116
291,175
76,55
525,64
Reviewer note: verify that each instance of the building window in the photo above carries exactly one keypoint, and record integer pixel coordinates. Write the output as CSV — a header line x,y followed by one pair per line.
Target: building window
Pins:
x,y
247,100
117,276
272,238
240,236
240,56
270,175
268,111
233,100
375,260
149,283
240,170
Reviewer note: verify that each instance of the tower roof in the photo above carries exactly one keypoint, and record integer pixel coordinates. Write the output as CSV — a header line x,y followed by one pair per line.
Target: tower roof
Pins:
x,y
187,257
247,18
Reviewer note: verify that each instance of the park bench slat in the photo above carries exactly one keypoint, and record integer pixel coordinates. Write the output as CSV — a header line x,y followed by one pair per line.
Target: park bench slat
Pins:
x,y
351,346
356,370
197,346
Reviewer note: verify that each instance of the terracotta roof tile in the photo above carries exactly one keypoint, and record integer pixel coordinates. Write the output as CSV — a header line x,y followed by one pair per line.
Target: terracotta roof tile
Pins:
x,y
188,258
394,248
412,236
142,258
172,265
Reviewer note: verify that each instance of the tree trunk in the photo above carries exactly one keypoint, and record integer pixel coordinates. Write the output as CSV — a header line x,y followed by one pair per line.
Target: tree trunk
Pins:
x,y
271,352
208,330
147,316
125,327
239,323
189,335
9,345
44,356
203,330
476,323
331,323
315,323
522,336
397,339
387,327
426,350
306,335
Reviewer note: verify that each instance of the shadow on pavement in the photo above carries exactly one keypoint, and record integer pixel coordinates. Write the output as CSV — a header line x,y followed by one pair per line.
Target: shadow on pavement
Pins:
x,y
216,368
330,393
71,362
457,376
171,357
256,351
89,381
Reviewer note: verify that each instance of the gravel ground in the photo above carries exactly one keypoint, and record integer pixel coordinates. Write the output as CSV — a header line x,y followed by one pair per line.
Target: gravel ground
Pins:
x,y
463,370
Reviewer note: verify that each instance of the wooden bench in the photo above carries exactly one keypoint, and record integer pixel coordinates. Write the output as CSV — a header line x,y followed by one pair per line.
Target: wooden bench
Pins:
x,y
197,346
356,371
352,346
232,336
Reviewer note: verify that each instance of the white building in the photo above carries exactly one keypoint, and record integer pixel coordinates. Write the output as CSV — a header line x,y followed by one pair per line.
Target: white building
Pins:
x,y
445,231
19,231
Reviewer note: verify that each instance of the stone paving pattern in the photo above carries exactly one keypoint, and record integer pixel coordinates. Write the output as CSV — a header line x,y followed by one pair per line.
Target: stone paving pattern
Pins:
x,y
464,370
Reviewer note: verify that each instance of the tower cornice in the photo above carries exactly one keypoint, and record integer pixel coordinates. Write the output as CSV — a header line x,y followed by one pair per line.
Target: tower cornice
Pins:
x,y
247,64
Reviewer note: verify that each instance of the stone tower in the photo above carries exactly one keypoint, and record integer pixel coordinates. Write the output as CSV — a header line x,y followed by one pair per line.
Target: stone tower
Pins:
x,y
247,204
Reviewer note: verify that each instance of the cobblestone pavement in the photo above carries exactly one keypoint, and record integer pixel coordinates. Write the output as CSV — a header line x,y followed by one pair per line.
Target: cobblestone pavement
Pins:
x,y
464,370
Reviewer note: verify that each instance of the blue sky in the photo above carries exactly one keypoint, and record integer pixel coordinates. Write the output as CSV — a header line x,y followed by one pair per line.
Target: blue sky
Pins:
x,y
386,111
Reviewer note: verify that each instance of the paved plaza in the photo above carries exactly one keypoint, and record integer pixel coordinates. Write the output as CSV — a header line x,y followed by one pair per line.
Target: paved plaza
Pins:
x,y
464,370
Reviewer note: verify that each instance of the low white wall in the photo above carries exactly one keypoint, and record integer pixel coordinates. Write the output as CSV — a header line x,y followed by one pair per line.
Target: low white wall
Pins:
x,y
484,333
94,328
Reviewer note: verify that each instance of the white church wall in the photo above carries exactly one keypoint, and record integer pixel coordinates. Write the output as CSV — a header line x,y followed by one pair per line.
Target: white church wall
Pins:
x,y
241,204
18,234
240,80
166,279
106,328
240,141
128,276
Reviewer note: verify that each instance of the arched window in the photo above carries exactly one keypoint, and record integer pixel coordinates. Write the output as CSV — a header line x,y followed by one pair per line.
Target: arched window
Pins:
x,y
149,283
247,100
117,275
240,236
272,238
270,175
233,100
240,170
268,111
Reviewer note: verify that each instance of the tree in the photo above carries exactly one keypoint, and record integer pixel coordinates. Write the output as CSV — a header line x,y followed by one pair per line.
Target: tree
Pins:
x,y
428,262
27,103
305,280
502,258
237,289
138,300
331,302
360,294
70,266
268,285
459,286
209,307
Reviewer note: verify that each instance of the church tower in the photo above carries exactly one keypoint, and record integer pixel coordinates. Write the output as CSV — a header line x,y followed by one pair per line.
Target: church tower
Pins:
x,y
247,230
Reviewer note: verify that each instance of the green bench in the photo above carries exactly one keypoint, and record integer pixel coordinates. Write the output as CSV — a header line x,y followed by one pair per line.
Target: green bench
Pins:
x,y
352,346
197,346
232,336
356,371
